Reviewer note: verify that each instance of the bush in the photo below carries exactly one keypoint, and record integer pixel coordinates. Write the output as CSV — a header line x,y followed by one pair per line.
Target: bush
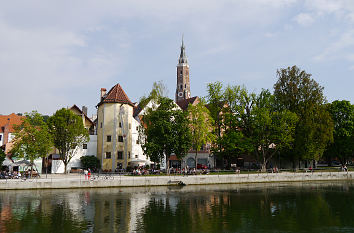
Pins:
x,y
91,162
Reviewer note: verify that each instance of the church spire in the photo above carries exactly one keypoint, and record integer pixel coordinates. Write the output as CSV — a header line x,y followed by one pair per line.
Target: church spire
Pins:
x,y
183,57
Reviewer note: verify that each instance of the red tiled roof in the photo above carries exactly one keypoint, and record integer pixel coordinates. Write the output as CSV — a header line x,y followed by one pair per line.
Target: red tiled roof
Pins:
x,y
116,95
183,104
10,120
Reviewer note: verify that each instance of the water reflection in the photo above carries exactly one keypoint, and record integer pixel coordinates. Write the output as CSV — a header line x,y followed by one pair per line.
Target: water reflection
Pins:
x,y
298,207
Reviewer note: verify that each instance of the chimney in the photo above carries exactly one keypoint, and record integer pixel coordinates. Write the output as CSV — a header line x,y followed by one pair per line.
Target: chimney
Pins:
x,y
103,93
84,110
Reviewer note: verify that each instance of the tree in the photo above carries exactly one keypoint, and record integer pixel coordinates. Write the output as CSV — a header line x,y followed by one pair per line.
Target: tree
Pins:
x,y
182,133
273,129
164,132
2,157
215,104
297,92
32,138
158,90
91,162
68,134
201,126
342,113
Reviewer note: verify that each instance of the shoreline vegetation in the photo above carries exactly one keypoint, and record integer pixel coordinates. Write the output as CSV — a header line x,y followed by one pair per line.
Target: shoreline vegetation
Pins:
x,y
55,181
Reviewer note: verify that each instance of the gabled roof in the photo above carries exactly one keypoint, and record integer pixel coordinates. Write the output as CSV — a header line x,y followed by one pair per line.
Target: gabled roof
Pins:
x,y
183,104
116,95
81,112
10,121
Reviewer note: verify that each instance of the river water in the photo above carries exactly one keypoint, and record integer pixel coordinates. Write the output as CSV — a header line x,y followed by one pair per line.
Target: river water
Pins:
x,y
272,207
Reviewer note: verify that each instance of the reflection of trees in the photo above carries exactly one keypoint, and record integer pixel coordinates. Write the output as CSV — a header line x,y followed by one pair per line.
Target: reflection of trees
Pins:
x,y
297,209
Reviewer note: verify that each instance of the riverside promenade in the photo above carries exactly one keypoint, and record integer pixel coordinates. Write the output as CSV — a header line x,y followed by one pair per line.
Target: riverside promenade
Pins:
x,y
79,181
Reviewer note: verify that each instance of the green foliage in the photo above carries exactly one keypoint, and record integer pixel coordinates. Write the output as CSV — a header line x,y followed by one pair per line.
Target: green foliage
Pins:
x,y
201,126
158,90
32,138
273,129
68,132
91,162
165,131
2,156
297,92
342,113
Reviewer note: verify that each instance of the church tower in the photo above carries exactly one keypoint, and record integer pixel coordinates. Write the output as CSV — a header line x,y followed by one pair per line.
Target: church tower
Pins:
x,y
183,90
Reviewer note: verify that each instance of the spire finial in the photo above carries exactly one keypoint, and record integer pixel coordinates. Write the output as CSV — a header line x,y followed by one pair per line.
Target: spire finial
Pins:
x,y
182,39
182,56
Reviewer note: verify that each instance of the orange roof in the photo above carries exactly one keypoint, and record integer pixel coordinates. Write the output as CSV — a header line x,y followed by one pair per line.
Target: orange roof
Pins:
x,y
116,95
10,120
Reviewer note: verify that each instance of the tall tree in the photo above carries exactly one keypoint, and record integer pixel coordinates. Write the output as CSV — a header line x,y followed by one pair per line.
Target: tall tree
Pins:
x,y
158,90
236,122
165,131
182,133
32,138
68,132
2,156
297,92
342,113
201,127
273,129
215,104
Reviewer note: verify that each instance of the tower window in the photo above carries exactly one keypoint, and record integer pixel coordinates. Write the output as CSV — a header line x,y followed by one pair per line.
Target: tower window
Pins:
x,y
108,155
181,86
120,138
185,85
120,124
109,138
181,72
120,154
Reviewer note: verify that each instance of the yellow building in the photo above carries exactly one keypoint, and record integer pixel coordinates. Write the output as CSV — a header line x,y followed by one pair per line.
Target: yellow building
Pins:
x,y
114,133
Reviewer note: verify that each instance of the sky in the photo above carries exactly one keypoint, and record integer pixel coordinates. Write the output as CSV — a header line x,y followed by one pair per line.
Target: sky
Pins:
x,y
54,54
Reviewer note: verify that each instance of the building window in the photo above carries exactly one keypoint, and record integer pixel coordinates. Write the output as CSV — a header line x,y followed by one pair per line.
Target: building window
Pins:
x,y
129,155
101,124
120,124
180,72
120,138
109,138
120,154
0,137
136,156
108,155
84,146
181,86
185,85
137,141
137,128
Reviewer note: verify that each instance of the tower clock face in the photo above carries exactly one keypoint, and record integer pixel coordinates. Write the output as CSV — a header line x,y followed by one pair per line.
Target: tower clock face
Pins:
x,y
180,94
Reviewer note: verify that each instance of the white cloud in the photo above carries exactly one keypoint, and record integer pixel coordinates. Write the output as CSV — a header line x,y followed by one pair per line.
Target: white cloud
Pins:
x,y
304,19
339,49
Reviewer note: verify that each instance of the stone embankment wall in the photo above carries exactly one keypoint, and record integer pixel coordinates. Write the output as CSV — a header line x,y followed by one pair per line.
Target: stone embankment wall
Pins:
x,y
140,181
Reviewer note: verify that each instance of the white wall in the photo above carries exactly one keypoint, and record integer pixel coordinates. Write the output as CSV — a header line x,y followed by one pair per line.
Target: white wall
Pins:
x,y
2,138
58,165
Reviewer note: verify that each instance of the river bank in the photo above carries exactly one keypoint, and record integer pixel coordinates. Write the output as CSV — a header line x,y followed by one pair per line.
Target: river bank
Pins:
x,y
78,181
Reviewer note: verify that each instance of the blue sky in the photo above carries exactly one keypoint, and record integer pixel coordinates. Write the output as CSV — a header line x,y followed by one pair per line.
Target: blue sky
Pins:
x,y
55,54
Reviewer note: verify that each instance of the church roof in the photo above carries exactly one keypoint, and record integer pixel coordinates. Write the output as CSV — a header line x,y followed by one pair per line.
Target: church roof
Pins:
x,y
183,104
116,95
183,57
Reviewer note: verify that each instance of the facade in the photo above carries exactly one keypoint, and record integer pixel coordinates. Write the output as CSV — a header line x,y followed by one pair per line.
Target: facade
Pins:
x,y
7,123
183,85
114,129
